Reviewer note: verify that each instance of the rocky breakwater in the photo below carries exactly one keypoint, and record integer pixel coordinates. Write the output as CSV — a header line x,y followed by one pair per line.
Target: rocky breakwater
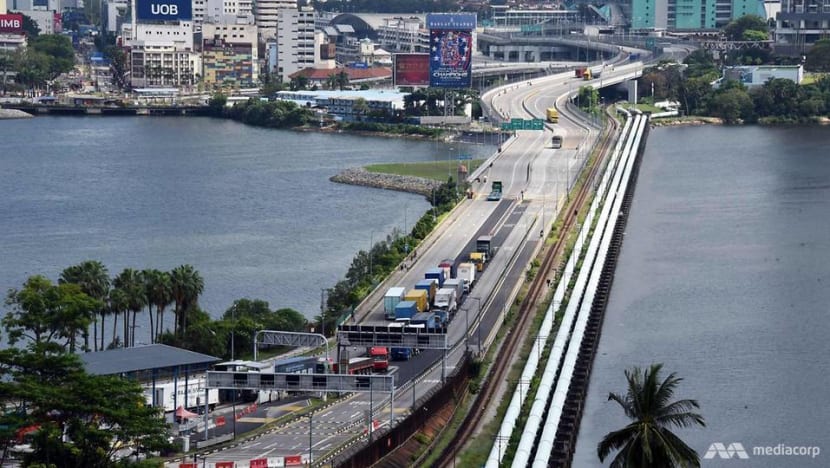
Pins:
x,y
360,176
13,114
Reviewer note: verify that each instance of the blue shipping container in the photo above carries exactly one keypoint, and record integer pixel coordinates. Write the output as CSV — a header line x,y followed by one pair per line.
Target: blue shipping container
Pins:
x,y
437,273
405,309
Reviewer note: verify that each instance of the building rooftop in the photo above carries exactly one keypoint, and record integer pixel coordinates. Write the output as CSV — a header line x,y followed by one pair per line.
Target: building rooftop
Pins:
x,y
143,358
369,95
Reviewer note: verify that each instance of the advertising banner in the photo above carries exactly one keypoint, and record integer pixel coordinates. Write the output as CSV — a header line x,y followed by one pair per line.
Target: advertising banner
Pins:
x,y
451,21
450,62
164,10
411,70
11,23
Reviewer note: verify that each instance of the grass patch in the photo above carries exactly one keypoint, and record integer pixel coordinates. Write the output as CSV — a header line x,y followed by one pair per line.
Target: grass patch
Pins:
x,y
436,170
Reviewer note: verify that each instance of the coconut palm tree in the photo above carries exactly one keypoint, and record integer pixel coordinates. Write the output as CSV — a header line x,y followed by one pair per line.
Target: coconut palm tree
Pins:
x,y
187,284
131,283
159,290
117,304
647,441
93,278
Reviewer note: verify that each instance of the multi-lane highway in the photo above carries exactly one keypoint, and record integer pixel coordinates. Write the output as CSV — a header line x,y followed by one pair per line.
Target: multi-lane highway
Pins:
x,y
536,178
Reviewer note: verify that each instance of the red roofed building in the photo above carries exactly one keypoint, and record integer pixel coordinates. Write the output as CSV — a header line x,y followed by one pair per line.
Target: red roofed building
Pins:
x,y
320,76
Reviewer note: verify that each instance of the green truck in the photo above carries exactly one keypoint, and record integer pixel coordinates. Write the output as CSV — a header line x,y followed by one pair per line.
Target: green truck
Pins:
x,y
495,191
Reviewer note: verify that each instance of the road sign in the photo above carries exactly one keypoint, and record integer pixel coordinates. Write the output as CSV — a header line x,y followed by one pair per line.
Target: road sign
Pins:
x,y
300,382
462,157
538,124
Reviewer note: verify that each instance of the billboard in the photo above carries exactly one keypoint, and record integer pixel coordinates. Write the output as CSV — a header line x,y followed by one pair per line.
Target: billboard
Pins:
x,y
451,49
451,21
450,61
11,23
164,10
411,70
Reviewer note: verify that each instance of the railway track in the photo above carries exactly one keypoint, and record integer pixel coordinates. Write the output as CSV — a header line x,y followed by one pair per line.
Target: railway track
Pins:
x,y
527,309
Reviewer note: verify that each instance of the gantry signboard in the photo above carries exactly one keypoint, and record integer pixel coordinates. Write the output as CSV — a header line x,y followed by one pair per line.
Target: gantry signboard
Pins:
x,y
300,382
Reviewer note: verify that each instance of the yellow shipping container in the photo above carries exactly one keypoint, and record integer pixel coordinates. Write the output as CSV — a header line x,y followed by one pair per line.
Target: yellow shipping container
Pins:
x,y
419,297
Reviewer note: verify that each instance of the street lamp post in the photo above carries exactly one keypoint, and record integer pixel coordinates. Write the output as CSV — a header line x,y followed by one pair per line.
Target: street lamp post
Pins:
x,y
371,243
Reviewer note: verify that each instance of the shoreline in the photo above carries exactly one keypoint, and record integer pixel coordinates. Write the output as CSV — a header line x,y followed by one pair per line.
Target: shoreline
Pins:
x,y
409,184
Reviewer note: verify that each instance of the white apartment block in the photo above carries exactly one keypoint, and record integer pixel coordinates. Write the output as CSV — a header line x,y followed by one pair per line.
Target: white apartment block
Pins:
x,y
178,36
296,48
404,35
266,13
215,9
163,67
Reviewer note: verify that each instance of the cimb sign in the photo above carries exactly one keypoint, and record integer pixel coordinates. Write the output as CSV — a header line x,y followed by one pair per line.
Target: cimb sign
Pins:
x,y
11,23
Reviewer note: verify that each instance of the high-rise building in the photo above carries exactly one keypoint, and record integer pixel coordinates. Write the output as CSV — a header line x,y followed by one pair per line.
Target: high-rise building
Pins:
x,y
229,52
266,13
680,15
800,24
295,41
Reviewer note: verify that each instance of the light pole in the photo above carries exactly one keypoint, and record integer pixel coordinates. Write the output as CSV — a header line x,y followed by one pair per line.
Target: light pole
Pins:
x,y
449,163
371,243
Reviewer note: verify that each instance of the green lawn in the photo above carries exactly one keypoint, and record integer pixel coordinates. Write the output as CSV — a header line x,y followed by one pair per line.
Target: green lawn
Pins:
x,y
437,170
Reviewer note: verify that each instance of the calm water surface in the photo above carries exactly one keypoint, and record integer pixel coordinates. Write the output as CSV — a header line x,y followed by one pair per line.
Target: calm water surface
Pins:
x,y
251,209
724,278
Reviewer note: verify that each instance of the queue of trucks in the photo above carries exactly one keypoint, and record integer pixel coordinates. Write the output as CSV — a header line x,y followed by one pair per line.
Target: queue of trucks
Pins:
x,y
433,301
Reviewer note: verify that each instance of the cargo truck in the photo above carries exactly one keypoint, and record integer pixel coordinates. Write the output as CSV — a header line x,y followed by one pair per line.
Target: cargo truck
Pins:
x,y
467,272
437,274
380,358
445,299
447,266
401,354
360,365
391,299
495,191
458,285
484,244
426,319
442,317
430,286
479,259
552,115
420,297
405,310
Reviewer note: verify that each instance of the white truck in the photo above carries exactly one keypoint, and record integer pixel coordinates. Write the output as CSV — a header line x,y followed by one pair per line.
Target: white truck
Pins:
x,y
391,299
445,299
467,272
171,395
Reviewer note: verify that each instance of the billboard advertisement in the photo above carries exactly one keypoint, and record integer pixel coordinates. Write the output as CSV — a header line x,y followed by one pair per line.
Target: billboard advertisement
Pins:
x,y
11,23
451,21
164,10
450,61
411,70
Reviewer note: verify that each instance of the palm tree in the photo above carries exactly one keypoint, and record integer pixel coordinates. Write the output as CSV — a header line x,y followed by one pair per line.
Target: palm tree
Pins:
x,y
187,284
117,304
93,278
131,283
647,441
159,290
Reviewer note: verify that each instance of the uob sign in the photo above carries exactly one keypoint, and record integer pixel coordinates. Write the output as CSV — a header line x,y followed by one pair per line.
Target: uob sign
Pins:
x,y
164,10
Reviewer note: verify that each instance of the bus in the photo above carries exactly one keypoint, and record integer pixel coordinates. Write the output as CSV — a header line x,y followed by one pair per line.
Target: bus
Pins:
x,y
552,114
556,142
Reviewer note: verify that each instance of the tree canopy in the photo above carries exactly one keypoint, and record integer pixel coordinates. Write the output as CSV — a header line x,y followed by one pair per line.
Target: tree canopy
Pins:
x,y
818,57
747,28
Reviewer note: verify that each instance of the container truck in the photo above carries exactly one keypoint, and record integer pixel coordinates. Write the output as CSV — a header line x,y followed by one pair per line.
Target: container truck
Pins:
x,y
380,358
171,394
391,299
458,285
479,259
467,272
405,310
359,365
447,266
495,191
442,317
420,297
484,244
430,286
427,319
437,274
552,115
445,299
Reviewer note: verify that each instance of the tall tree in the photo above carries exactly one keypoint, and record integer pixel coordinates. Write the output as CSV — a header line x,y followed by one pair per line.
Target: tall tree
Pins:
x,y
159,294
131,283
648,440
46,313
93,278
818,57
187,285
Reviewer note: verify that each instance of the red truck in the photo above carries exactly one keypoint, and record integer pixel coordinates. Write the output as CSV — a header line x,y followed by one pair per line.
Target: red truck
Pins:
x,y
380,357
